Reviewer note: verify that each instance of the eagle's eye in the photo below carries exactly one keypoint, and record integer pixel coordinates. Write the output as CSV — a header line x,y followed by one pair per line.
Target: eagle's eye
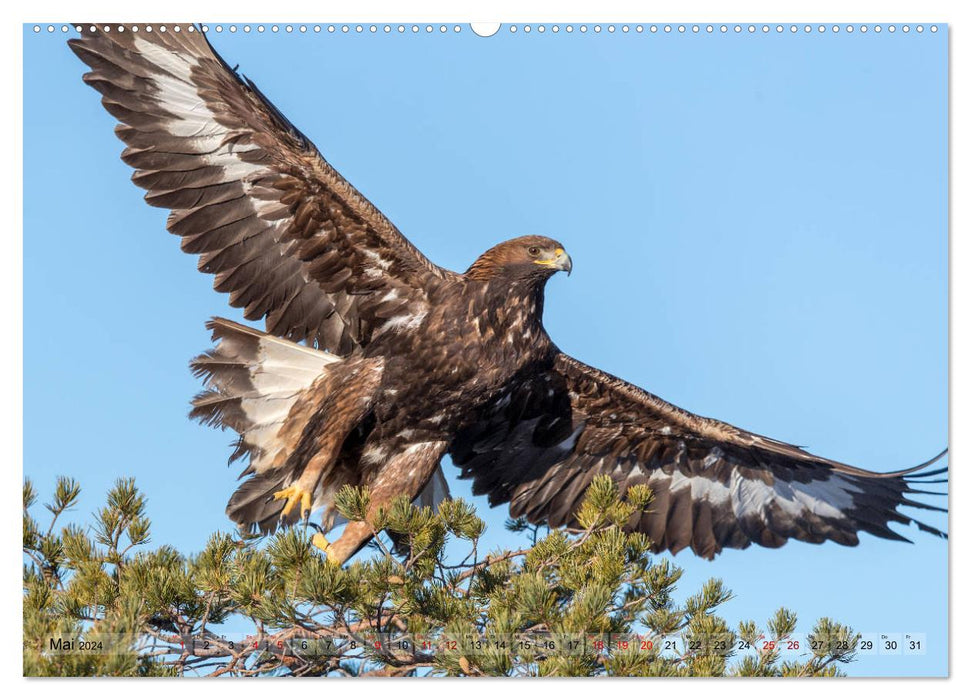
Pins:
x,y
533,250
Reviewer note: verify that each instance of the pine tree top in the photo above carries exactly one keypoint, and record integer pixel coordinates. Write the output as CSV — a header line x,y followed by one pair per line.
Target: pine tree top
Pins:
x,y
98,601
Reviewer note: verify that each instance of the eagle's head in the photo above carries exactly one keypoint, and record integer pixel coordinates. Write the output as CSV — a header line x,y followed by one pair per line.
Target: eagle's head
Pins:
x,y
524,258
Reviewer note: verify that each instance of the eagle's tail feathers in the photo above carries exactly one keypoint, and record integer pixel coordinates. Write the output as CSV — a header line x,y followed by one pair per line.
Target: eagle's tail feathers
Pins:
x,y
251,506
252,381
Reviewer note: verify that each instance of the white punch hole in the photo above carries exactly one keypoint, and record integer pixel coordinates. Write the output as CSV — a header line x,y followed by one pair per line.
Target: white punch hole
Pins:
x,y
485,29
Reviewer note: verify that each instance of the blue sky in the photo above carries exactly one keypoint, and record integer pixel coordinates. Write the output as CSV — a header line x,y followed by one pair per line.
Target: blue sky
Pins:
x,y
758,226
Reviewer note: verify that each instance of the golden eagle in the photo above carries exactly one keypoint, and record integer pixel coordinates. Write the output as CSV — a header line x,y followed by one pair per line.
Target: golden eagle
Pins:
x,y
376,363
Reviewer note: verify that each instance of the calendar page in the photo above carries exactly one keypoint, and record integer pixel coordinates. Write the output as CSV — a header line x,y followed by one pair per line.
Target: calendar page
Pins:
x,y
539,349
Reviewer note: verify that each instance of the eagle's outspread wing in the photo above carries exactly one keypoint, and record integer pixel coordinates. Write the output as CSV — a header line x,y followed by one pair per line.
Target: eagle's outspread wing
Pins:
x,y
715,486
285,235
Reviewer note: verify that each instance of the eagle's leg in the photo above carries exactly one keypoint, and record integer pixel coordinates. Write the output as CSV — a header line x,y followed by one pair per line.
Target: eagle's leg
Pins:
x,y
343,398
406,473
354,537
301,492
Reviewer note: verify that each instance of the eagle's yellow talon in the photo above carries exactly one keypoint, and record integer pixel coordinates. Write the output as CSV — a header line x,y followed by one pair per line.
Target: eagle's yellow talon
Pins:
x,y
294,495
321,543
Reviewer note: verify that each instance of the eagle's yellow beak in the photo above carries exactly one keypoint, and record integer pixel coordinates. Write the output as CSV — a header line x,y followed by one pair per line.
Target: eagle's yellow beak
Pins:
x,y
559,261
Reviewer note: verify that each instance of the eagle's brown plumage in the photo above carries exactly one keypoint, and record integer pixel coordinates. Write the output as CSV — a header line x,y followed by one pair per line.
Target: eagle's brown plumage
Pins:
x,y
406,362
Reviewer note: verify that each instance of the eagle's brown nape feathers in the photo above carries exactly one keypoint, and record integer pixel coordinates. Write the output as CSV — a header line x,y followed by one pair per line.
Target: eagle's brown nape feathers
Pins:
x,y
406,362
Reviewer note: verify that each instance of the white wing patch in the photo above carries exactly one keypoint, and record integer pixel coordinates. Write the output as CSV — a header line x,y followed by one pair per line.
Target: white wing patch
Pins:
x,y
702,488
826,498
194,121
